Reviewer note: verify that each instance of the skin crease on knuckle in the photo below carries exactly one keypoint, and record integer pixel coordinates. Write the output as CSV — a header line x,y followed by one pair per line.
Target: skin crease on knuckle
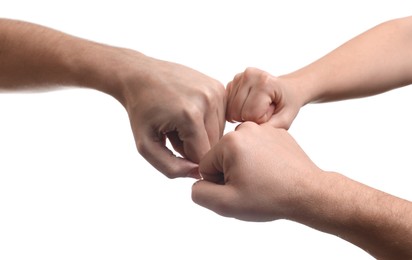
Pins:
x,y
191,118
235,143
172,171
252,112
258,93
249,72
255,78
211,100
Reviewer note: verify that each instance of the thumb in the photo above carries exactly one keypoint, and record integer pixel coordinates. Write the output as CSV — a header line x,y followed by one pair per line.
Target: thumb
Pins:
x,y
215,197
195,139
282,119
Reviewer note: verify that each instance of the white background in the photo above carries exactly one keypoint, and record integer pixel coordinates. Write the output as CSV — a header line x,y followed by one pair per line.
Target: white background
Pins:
x,y
72,185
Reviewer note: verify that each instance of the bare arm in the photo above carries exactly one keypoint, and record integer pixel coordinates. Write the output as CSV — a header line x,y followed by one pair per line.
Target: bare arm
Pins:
x,y
36,57
377,222
163,99
376,61
259,173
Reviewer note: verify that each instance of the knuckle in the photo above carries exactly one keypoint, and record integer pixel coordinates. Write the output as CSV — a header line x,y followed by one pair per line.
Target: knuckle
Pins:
x,y
223,208
234,119
250,71
170,174
249,125
171,171
208,99
232,143
237,77
231,111
212,95
249,115
142,148
208,95
230,116
263,81
191,114
252,113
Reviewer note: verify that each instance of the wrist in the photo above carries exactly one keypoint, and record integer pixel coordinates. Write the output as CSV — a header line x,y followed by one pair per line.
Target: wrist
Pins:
x,y
309,198
366,217
105,68
305,86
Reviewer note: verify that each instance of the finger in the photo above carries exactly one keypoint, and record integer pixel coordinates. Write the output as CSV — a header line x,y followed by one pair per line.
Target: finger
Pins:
x,y
258,106
238,99
229,88
211,167
245,125
222,122
212,163
152,148
233,88
213,127
221,114
215,120
238,102
237,79
192,132
215,197
217,178
282,119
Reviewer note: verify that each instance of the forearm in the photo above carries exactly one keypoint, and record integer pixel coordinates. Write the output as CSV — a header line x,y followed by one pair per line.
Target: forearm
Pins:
x,y
35,57
376,61
375,221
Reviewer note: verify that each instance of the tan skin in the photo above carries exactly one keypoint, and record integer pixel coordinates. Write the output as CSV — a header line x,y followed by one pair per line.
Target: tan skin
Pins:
x,y
376,61
282,182
267,176
190,110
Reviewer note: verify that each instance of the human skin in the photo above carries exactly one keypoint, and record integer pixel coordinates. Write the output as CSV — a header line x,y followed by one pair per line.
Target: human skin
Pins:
x,y
259,173
374,62
163,99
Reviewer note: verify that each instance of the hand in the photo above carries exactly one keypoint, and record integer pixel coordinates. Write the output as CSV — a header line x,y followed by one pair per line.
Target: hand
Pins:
x,y
163,99
257,96
259,173
256,173
175,102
